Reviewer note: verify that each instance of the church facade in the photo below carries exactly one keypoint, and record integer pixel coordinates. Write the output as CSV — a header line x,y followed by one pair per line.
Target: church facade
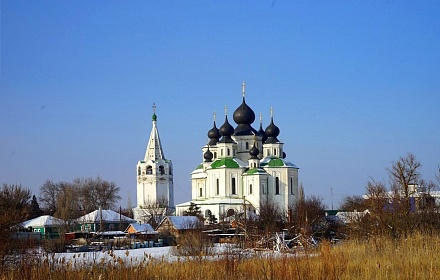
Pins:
x,y
155,189
242,169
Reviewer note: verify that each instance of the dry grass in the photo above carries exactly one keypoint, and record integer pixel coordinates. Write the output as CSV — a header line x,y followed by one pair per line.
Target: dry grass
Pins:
x,y
379,258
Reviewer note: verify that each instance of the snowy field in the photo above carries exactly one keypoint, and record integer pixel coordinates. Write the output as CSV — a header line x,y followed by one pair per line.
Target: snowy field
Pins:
x,y
137,256
132,256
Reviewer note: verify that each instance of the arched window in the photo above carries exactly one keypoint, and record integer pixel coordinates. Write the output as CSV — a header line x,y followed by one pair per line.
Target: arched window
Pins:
x,y
250,189
161,170
149,170
275,152
201,192
217,186
233,187
229,152
230,212
247,145
208,213
277,185
139,170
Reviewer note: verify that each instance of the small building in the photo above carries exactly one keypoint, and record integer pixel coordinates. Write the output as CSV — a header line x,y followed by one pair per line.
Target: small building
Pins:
x,y
46,225
176,225
103,220
135,228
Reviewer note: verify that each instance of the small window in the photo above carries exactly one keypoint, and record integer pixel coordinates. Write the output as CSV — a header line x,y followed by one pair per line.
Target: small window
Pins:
x,y
247,146
277,185
250,189
231,212
161,170
234,188
208,213
215,155
268,152
171,171
221,152
139,170
149,170
218,186
201,192
275,152
229,152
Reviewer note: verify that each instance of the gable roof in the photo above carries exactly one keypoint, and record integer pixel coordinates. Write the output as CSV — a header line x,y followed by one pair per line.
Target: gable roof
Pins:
x,y
108,216
43,221
142,228
181,222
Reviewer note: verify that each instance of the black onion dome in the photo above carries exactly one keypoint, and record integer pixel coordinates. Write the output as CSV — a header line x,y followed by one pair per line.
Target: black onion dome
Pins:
x,y
254,152
208,156
272,132
244,114
214,135
262,133
226,130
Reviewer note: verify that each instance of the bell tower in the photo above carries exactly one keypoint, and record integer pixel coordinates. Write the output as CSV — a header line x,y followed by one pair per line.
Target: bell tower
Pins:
x,y
154,176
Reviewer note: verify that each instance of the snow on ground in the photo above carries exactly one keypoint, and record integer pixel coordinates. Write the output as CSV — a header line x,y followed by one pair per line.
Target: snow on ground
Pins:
x,y
137,256
132,256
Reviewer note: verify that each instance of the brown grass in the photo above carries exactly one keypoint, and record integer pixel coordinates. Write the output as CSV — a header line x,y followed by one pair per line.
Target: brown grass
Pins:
x,y
379,258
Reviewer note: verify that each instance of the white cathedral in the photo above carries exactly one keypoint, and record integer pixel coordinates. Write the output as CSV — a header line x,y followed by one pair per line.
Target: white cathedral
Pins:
x,y
242,168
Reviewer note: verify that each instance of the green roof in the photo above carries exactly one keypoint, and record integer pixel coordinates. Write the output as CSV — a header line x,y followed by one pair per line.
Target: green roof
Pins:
x,y
274,162
225,162
200,166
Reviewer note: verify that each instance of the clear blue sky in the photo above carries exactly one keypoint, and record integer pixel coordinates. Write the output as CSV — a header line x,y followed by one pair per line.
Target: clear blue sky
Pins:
x,y
354,86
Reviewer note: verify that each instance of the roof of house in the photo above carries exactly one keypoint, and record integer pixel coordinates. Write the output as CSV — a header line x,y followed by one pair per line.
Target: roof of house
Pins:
x,y
108,216
348,217
142,228
42,221
182,222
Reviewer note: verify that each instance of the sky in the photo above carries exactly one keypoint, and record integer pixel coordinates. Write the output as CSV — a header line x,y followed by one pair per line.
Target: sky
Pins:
x,y
354,85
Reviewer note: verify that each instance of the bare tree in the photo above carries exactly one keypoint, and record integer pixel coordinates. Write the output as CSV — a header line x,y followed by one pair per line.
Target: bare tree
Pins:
x,y
14,205
353,203
48,195
95,193
153,211
270,218
405,178
68,206
307,211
